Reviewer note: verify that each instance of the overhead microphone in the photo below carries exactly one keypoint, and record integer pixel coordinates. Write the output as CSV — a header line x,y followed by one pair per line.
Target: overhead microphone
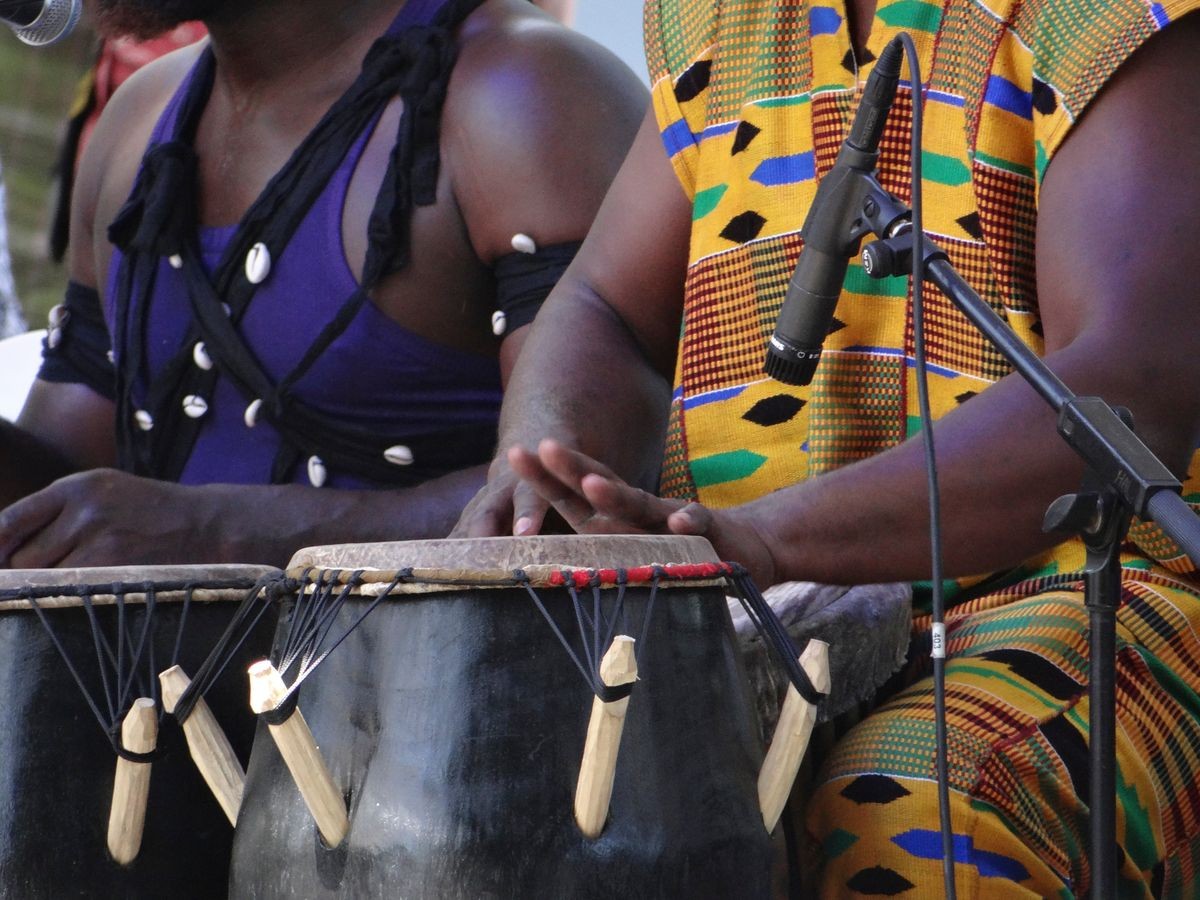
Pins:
x,y
40,23
832,232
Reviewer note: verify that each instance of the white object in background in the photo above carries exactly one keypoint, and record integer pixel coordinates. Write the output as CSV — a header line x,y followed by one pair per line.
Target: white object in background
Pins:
x,y
11,320
20,359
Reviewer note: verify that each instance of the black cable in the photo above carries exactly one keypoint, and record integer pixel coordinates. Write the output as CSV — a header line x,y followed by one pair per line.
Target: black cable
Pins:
x,y
938,652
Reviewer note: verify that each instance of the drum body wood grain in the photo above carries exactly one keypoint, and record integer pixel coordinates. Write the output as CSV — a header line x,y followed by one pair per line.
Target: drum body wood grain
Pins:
x,y
57,767
455,722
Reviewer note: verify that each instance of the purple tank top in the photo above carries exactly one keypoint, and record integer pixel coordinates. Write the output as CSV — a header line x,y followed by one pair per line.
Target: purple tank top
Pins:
x,y
376,374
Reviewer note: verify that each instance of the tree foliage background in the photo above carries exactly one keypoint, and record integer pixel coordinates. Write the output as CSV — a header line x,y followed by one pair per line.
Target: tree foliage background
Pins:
x,y
37,87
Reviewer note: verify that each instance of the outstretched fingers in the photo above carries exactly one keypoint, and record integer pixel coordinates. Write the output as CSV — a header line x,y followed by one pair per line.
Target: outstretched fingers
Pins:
x,y
592,498
558,486
617,501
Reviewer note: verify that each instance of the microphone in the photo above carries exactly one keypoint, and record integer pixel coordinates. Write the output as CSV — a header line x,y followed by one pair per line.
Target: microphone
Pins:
x,y
832,232
40,23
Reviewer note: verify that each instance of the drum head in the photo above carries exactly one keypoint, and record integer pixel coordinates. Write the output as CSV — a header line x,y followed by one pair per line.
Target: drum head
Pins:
x,y
504,554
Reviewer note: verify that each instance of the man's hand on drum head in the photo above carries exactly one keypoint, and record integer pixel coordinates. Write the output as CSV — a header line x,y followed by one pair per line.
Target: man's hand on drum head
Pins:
x,y
592,499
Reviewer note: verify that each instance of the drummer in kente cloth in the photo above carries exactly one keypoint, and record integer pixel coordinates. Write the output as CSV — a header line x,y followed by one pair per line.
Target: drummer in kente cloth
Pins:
x,y
1057,145
303,256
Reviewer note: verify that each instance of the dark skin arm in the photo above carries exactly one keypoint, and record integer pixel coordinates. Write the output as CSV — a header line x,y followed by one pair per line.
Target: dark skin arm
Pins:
x,y
1114,217
28,464
602,348
102,516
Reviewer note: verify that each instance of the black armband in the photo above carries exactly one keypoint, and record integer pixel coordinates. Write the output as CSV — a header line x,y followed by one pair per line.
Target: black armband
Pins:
x,y
524,280
76,347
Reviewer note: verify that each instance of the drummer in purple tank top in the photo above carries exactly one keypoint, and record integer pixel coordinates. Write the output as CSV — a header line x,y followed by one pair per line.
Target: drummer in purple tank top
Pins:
x,y
313,350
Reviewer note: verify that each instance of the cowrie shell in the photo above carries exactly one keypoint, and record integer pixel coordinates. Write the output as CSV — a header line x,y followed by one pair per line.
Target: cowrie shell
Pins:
x,y
398,455
200,356
316,471
499,322
250,416
175,261
523,243
144,420
194,406
258,263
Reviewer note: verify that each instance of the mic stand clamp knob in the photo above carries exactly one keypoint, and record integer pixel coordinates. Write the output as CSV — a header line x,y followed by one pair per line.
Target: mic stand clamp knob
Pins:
x,y
887,257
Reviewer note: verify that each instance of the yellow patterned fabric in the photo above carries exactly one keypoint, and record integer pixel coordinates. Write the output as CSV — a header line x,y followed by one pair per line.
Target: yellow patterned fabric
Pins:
x,y
1017,718
753,100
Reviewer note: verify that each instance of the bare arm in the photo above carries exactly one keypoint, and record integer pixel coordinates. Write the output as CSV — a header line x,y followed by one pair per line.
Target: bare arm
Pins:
x,y
1119,322
563,10
596,369
27,463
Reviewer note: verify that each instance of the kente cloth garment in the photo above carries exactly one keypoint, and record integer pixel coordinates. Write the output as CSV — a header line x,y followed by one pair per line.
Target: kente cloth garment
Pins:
x,y
253,354
753,100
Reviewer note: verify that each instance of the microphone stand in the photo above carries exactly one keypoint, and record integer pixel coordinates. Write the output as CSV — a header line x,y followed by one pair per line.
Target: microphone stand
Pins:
x,y
1123,478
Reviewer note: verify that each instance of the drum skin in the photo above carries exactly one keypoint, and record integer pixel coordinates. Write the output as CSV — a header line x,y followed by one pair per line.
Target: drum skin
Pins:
x,y
455,724
57,767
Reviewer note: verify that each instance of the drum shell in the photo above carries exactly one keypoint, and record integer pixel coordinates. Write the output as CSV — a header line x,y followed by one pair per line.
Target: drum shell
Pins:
x,y
57,766
455,724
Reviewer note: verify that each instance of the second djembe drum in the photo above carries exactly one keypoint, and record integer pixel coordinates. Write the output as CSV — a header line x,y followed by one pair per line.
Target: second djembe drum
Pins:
x,y
452,722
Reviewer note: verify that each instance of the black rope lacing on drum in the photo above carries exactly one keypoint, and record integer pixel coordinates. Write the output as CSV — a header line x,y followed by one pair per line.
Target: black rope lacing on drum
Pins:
x,y
158,220
319,596
263,594
317,604
124,660
596,630
773,632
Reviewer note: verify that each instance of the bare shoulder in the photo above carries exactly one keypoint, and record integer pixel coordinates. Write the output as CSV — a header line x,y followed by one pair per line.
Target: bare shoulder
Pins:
x,y
113,156
534,110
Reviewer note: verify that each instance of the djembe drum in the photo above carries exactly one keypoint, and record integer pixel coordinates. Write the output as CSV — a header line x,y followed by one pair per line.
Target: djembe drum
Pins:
x,y
80,653
451,722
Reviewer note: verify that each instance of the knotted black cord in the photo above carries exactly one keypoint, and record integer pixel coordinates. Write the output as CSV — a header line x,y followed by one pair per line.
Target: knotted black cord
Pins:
x,y
262,594
320,597
592,625
126,660
773,633
592,659
315,613
659,573
45,592
135,653
523,581
620,613
105,722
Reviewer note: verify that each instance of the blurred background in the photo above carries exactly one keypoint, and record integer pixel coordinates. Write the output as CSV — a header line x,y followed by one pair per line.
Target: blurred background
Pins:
x,y
37,87
37,90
